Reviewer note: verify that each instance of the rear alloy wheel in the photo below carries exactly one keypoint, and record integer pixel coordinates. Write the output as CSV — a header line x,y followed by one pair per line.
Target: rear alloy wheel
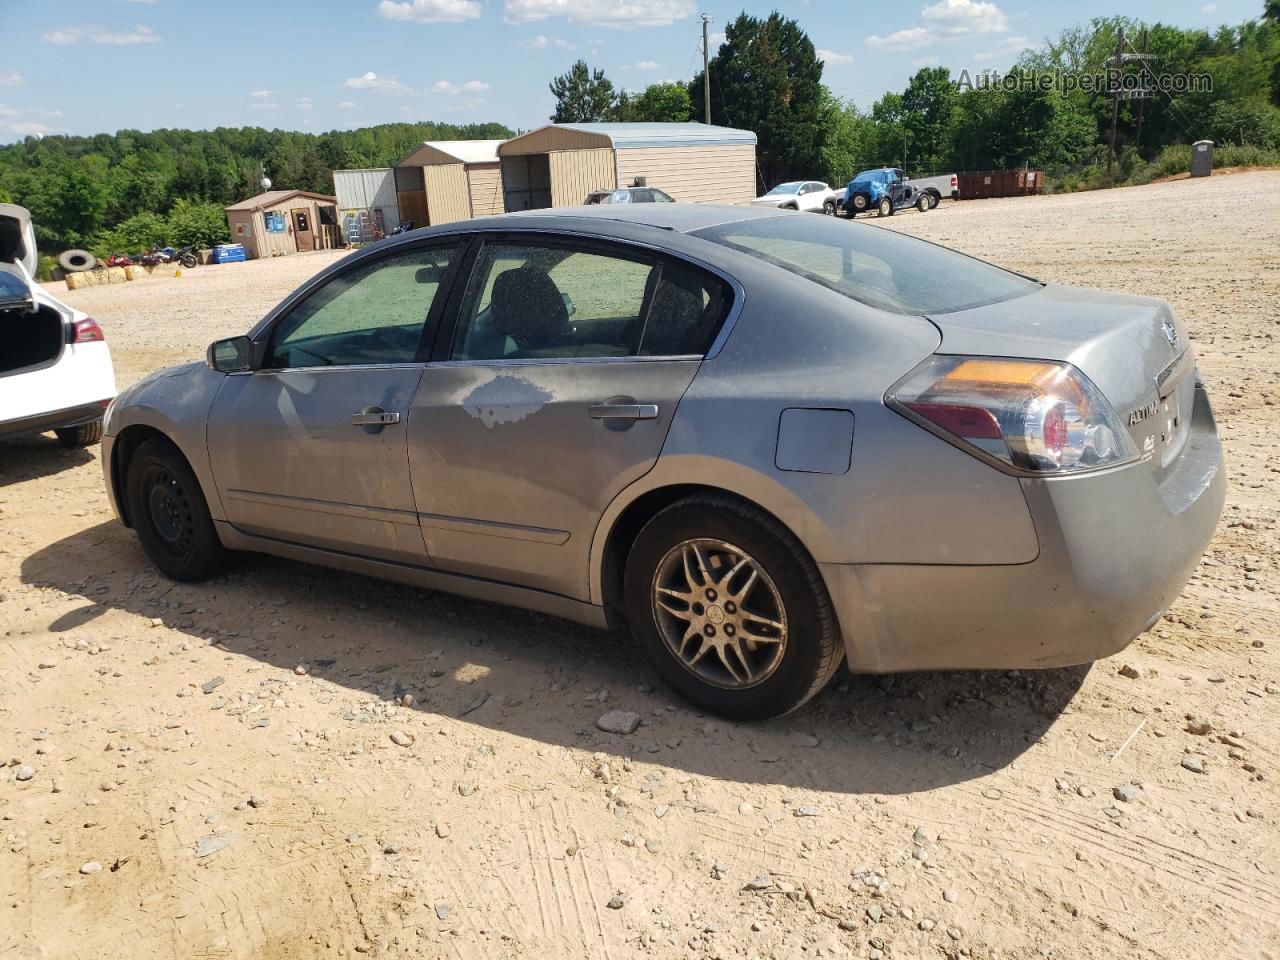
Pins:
x,y
169,513
829,208
924,203
885,209
731,609
85,435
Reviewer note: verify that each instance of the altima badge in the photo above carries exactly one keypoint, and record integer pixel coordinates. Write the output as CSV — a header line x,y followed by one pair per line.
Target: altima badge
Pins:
x,y
1142,413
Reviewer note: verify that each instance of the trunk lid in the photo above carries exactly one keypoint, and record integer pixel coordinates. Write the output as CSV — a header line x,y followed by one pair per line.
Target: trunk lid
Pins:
x,y
1133,349
18,258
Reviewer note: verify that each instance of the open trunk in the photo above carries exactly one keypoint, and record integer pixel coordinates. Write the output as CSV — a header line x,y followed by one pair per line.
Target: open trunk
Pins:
x,y
32,338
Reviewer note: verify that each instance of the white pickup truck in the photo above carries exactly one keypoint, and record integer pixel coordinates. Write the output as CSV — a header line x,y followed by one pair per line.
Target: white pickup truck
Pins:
x,y
944,186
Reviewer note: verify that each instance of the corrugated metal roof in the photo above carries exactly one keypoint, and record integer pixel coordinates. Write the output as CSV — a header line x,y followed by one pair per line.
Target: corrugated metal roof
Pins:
x,y
463,151
632,135
273,197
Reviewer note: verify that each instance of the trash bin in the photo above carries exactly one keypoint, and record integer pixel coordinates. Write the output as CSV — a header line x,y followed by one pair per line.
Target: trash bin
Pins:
x,y
1202,158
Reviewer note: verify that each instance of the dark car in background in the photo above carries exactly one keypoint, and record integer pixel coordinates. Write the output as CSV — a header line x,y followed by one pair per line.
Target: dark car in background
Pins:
x,y
630,195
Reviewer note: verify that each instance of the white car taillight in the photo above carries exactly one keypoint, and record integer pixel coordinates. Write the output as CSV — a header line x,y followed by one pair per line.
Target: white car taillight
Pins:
x,y
1032,415
88,331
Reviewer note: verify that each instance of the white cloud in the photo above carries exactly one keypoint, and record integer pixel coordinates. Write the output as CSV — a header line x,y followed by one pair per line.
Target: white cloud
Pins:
x,y
7,111
430,11
264,106
261,93
831,57
30,129
101,35
346,105
925,62
715,38
964,18
1209,8
471,86
304,103
643,65
946,20
10,78
901,39
618,14
562,43
371,81
541,43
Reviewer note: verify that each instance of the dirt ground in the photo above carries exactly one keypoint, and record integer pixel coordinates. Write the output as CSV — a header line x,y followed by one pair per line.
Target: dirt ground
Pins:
x,y
210,771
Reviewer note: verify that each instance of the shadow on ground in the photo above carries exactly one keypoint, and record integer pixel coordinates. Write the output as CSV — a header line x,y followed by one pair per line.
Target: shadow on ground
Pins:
x,y
880,735
30,458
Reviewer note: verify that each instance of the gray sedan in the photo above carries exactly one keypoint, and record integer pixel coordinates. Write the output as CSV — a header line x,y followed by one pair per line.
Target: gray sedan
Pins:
x,y
765,443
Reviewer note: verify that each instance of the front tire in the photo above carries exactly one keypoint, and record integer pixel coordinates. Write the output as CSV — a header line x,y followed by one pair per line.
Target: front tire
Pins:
x,y
84,435
730,608
924,203
885,209
170,514
188,261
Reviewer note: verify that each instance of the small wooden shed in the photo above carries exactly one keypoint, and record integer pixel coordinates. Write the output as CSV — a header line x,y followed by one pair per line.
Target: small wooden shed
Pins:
x,y
559,164
446,180
279,222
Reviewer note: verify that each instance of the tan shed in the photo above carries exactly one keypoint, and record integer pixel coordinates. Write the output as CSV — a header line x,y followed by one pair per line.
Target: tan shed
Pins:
x,y
446,180
284,221
559,164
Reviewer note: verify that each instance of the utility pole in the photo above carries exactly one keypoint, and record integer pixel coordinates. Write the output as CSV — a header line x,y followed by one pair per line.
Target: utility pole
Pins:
x,y
1137,138
706,71
1115,99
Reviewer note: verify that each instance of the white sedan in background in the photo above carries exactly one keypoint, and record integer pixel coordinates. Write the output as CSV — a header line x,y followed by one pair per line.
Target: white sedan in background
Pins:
x,y
55,369
811,196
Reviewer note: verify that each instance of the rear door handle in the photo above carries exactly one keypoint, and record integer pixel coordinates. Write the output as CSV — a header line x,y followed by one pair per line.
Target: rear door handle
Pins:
x,y
375,418
623,411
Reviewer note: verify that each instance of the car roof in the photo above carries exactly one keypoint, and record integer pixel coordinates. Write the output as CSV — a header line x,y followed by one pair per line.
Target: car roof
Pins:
x,y
679,217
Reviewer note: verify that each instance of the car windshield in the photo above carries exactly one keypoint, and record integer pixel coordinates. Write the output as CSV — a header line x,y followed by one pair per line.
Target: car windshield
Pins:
x,y
872,265
785,188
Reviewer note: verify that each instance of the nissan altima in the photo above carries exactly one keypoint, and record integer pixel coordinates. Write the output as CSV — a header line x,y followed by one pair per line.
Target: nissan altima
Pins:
x,y
764,444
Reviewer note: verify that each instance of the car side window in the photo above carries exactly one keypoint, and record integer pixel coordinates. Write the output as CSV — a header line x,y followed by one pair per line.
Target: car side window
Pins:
x,y
544,301
376,313
660,197
687,312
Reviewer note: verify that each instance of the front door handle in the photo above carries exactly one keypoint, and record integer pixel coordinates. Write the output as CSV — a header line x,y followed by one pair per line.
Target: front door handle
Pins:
x,y
375,418
623,411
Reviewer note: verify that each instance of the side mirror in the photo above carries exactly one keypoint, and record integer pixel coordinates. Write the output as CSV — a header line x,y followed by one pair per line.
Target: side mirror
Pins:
x,y
233,355
570,309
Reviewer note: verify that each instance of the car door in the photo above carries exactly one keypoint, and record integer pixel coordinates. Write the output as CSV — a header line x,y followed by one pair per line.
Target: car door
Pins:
x,y
555,392
311,448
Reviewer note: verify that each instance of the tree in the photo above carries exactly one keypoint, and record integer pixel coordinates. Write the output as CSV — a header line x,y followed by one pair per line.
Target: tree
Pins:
x,y
926,114
767,77
582,95
658,103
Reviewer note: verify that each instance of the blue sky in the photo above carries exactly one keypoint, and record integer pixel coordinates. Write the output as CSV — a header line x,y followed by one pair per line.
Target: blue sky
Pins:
x,y
102,65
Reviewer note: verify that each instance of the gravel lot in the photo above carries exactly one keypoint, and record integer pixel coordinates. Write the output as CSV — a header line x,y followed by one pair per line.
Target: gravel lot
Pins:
x,y
289,762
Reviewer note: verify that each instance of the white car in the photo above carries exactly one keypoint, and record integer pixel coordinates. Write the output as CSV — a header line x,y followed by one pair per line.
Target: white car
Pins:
x,y
55,368
809,195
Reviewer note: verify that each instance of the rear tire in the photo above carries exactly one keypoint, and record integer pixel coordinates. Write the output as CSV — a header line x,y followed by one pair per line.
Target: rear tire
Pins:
x,y
762,657
170,514
934,200
188,261
84,435
829,208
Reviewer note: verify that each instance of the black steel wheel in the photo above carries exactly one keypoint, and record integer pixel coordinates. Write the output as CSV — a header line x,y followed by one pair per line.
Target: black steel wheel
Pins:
x,y
169,513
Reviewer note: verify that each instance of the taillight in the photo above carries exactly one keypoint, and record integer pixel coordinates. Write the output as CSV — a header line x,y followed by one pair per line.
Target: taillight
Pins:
x,y
953,181
1031,415
88,331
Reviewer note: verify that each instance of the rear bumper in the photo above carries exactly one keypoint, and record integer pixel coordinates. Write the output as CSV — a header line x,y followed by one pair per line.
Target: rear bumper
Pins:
x,y
54,420
1116,549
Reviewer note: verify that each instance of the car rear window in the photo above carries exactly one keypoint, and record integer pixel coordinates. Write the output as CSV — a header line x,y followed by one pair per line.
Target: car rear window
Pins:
x,y
872,265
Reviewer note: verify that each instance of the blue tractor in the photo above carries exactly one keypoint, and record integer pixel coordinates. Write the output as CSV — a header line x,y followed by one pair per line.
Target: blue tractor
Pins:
x,y
885,191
